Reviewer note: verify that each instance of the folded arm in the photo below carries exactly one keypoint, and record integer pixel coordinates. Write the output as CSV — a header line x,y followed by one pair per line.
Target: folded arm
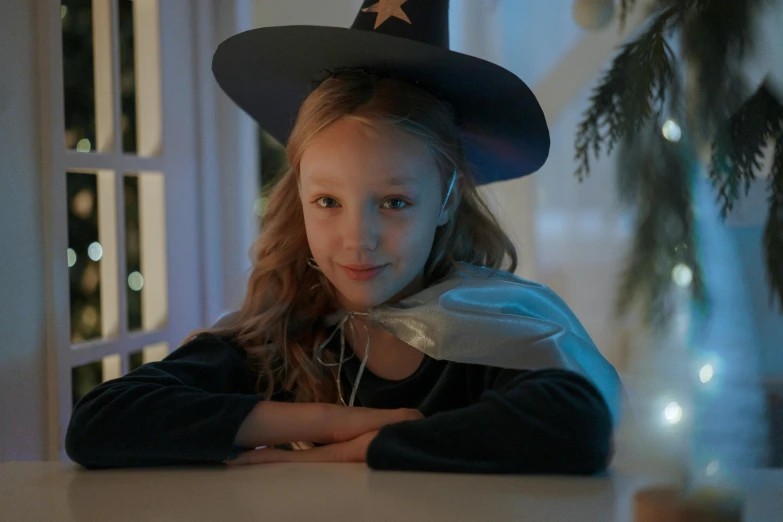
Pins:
x,y
545,421
185,409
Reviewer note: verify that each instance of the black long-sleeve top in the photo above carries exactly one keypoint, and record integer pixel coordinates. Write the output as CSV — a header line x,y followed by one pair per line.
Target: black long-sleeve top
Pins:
x,y
188,408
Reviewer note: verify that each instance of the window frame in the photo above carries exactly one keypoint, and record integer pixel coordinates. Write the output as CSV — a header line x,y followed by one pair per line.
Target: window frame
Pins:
x,y
202,137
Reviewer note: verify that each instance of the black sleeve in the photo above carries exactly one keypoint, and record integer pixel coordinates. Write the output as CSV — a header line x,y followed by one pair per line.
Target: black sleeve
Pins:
x,y
545,421
185,409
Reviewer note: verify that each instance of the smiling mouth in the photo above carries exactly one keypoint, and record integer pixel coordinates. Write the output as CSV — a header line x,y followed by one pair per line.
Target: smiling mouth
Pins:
x,y
363,274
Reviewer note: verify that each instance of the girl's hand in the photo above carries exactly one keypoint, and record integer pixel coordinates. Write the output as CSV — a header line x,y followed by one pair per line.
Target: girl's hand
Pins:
x,y
346,424
271,423
354,450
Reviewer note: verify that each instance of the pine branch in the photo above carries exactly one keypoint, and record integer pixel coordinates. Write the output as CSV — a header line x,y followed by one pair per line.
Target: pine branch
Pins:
x,y
738,147
626,6
625,97
773,230
654,176
715,38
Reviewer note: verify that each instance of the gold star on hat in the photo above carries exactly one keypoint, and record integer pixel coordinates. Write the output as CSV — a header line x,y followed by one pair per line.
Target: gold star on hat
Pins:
x,y
386,9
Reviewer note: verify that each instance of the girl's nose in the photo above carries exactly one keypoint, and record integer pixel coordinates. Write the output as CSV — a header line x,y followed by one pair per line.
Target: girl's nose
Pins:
x,y
360,230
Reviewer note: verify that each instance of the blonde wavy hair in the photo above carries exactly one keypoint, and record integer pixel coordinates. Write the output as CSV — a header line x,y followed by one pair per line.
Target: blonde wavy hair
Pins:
x,y
278,325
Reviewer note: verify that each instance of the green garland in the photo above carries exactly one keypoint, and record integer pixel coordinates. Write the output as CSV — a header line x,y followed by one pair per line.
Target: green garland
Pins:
x,y
655,179
645,81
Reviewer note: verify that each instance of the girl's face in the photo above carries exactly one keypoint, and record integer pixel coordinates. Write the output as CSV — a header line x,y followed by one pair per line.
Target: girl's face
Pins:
x,y
371,199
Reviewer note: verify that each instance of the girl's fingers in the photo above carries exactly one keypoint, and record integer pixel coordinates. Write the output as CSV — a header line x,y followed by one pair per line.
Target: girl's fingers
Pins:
x,y
350,451
269,455
260,456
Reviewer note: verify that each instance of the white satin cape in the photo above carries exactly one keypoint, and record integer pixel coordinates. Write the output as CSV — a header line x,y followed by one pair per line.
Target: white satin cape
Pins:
x,y
494,319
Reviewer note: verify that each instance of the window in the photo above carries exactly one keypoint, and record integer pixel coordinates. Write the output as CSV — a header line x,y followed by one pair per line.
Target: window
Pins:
x,y
114,216
121,182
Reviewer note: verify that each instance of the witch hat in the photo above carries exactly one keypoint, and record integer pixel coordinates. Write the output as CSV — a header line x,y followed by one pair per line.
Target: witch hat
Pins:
x,y
268,72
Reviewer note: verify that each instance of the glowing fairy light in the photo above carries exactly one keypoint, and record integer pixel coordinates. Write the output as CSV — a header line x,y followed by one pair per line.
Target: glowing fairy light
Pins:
x,y
95,251
671,131
706,373
672,413
682,275
84,145
135,281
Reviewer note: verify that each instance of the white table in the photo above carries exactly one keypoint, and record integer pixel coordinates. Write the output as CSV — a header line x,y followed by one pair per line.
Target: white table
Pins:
x,y
55,491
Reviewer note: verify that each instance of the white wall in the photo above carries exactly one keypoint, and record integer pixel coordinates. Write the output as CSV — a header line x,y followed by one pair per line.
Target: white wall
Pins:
x,y
22,322
229,155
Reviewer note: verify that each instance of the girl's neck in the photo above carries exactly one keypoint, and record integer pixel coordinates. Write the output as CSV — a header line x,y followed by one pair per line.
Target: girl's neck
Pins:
x,y
389,357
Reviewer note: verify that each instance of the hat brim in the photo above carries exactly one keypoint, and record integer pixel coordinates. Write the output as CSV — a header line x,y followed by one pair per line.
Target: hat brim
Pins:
x,y
268,72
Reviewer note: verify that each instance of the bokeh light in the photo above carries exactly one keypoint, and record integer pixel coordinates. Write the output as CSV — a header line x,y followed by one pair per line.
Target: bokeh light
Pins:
x,y
671,131
682,275
84,145
82,203
135,281
672,413
89,317
706,373
95,251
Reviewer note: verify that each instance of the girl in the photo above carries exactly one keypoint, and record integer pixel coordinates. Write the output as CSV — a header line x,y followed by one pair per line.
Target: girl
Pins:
x,y
381,321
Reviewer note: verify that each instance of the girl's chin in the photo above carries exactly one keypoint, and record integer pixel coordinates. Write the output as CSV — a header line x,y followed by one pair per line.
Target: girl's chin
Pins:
x,y
361,302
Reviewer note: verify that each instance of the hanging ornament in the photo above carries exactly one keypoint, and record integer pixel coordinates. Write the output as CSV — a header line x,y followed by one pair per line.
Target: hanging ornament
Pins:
x,y
593,14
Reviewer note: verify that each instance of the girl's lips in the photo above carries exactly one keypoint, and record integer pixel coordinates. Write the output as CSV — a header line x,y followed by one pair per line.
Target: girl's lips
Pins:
x,y
363,275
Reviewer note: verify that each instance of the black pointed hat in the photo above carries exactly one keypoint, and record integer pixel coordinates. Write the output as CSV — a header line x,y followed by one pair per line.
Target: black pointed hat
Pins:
x,y
269,72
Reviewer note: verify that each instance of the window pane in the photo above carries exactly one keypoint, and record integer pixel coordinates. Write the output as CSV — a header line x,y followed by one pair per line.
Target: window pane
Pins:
x,y
147,275
133,252
92,255
78,74
85,378
135,360
151,353
127,77
84,256
140,77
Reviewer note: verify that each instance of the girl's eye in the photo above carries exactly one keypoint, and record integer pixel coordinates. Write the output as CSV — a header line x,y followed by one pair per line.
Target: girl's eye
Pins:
x,y
326,199
392,203
400,203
